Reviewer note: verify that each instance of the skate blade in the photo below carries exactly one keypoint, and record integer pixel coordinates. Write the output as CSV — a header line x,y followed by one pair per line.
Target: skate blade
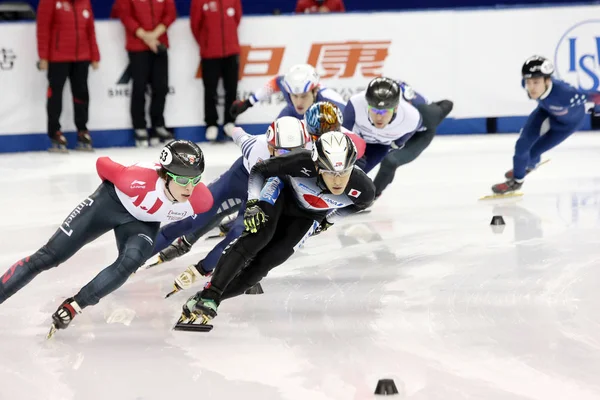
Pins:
x,y
220,235
501,196
175,290
52,332
193,324
187,327
153,264
542,163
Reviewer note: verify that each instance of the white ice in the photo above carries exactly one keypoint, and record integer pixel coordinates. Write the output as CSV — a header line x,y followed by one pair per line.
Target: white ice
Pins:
x,y
420,290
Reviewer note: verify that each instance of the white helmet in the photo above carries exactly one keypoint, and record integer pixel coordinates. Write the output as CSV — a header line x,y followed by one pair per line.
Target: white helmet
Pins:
x,y
334,151
287,133
301,78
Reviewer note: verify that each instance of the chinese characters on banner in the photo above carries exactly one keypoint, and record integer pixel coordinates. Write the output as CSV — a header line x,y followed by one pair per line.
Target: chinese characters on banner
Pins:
x,y
336,59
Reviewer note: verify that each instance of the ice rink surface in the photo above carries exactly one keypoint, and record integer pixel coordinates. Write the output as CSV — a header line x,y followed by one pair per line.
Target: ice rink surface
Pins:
x,y
420,290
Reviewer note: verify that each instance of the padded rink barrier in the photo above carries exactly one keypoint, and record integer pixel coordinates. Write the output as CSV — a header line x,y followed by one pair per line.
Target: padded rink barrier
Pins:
x,y
347,61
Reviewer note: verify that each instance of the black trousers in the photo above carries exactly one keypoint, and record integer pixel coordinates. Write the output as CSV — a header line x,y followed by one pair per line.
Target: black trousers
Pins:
x,y
99,213
77,73
213,69
250,257
433,114
149,68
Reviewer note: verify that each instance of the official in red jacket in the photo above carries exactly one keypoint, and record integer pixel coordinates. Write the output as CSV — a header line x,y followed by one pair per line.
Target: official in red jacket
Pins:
x,y
66,41
214,24
320,6
146,23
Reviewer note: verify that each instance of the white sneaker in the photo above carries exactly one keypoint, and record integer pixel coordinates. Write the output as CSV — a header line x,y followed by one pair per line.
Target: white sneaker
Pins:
x,y
212,132
141,138
163,133
228,128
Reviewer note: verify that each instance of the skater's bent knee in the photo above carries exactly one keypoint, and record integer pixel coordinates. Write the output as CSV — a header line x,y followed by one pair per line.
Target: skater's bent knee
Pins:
x,y
390,163
446,106
131,260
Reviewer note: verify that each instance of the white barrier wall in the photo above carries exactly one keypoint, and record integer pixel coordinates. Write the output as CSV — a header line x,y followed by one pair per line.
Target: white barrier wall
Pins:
x,y
471,57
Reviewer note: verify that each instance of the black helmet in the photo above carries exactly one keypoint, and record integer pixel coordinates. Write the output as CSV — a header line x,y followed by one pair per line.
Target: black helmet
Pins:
x,y
537,66
183,158
383,93
334,151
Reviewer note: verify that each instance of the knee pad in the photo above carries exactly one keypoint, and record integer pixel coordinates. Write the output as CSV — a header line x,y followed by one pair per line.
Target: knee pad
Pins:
x,y
389,163
131,260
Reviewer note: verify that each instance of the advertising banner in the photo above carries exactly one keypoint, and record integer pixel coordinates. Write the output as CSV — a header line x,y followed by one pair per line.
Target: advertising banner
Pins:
x,y
471,57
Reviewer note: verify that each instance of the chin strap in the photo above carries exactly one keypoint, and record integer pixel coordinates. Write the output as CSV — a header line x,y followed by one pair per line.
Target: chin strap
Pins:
x,y
169,190
321,183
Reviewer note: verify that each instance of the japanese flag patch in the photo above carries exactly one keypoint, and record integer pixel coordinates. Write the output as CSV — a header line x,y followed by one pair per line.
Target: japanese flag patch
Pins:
x,y
354,193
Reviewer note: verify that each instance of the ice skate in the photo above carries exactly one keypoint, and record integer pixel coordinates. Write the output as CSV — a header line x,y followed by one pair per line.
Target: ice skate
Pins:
x,y
506,189
509,173
84,141
188,277
141,138
64,315
59,143
196,315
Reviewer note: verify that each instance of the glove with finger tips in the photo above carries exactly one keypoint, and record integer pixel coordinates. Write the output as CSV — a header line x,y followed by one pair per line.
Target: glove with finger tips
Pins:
x,y
254,217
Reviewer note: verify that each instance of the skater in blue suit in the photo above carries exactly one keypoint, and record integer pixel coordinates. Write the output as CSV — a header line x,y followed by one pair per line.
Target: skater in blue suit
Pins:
x,y
562,104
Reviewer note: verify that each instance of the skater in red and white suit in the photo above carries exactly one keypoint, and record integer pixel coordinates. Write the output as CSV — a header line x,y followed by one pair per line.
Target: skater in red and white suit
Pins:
x,y
132,201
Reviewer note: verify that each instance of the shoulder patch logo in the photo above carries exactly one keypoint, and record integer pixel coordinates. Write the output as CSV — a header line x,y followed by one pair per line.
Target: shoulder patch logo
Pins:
x,y
354,193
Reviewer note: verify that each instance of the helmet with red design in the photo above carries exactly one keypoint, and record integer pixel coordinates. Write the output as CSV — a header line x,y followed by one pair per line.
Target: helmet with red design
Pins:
x,y
182,158
286,134
334,152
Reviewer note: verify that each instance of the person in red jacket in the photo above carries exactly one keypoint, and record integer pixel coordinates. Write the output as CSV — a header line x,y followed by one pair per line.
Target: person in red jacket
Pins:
x,y
214,24
66,41
132,201
321,6
146,23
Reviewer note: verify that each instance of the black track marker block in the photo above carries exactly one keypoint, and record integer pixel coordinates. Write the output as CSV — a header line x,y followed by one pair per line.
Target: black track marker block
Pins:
x,y
497,220
386,387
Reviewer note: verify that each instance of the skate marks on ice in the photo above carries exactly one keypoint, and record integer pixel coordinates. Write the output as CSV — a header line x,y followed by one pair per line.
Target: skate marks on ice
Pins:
x,y
436,301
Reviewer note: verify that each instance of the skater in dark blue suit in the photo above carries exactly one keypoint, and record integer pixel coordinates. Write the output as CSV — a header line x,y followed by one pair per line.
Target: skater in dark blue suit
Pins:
x,y
560,103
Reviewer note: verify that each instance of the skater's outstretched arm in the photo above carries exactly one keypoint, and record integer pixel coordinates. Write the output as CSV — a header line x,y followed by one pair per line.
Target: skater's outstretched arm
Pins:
x,y
273,86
